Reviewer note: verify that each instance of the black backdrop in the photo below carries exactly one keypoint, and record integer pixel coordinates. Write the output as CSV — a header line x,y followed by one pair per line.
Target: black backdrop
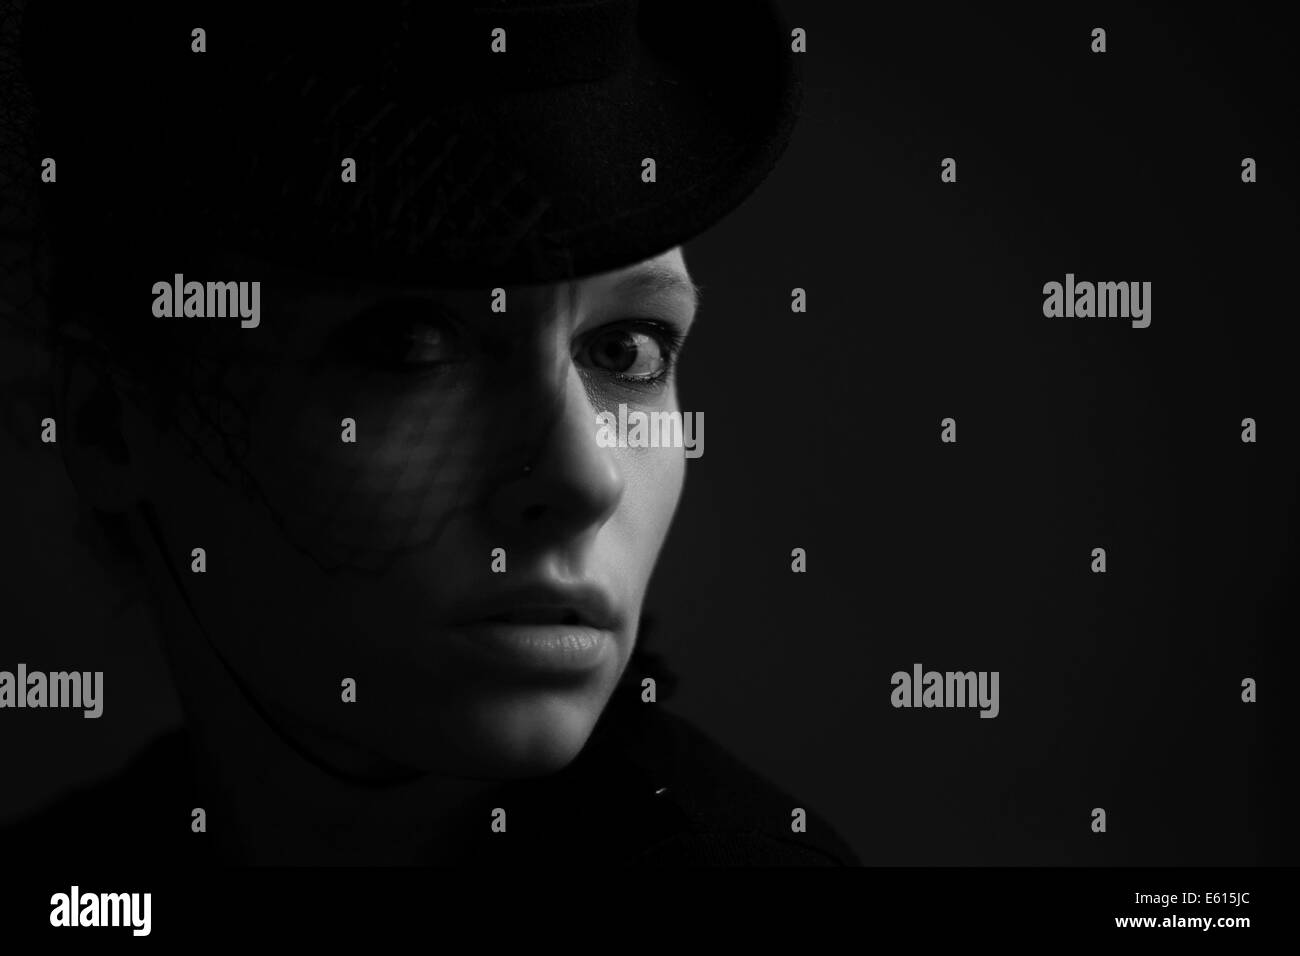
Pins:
x,y
1119,690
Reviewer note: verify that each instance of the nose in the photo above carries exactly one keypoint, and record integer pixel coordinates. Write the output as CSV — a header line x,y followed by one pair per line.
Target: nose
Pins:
x,y
569,486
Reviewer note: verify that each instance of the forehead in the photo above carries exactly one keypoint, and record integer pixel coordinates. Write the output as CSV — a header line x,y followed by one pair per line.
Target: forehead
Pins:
x,y
663,277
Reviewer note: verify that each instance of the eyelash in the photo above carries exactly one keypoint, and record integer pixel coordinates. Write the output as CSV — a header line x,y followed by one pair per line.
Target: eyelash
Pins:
x,y
670,339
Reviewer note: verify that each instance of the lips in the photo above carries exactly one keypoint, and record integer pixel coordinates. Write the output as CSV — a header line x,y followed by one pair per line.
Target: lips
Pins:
x,y
543,603
545,630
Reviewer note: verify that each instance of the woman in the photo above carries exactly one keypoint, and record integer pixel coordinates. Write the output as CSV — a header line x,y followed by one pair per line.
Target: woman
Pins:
x,y
399,269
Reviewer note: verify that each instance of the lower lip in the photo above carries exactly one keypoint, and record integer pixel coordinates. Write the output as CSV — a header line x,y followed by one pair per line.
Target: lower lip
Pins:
x,y
537,648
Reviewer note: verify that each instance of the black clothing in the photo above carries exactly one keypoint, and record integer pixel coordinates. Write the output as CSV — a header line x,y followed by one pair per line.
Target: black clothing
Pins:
x,y
648,789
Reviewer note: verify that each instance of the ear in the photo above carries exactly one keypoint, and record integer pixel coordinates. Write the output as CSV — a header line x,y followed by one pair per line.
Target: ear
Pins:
x,y
94,432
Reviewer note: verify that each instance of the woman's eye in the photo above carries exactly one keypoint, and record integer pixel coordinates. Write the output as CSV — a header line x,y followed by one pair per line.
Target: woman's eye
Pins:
x,y
426,344
405,342
631,353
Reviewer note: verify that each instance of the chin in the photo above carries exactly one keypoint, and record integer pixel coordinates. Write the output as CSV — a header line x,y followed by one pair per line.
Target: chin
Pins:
x,y
537,733
504,737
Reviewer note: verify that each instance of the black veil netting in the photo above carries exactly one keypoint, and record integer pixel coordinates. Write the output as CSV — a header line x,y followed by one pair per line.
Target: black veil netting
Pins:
x,y
49,283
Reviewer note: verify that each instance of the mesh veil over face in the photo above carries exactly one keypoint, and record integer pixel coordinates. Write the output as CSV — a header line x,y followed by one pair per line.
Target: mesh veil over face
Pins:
x,y
266,424
144,192
430,446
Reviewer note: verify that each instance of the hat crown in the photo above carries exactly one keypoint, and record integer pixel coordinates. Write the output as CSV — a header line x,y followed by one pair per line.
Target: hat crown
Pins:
x,y
486,142
467,49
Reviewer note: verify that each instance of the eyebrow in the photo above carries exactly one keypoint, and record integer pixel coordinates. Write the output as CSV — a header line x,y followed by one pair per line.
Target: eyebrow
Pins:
x,y
658,279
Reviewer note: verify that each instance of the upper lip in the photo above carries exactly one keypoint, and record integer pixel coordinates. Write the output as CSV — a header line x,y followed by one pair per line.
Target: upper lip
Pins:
x,y
549,603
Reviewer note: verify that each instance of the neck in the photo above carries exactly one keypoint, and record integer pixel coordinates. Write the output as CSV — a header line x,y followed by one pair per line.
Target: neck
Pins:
x,y
282,793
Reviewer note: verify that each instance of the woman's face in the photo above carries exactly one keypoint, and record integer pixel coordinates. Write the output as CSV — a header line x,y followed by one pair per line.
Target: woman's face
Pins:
x,y
474,560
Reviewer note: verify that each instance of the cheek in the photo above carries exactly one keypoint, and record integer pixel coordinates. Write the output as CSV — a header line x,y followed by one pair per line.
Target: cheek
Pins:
x,y
655,477
355,478
292,633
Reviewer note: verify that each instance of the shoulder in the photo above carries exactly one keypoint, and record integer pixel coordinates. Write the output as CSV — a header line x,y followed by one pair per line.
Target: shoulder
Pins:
x,y
721,811
651,789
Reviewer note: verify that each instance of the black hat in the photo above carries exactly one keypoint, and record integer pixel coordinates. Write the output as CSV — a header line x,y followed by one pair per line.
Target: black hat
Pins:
x,y
494,142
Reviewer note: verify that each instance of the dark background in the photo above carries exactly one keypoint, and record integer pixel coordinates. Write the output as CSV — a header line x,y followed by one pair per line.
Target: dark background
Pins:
x,y
1119,690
